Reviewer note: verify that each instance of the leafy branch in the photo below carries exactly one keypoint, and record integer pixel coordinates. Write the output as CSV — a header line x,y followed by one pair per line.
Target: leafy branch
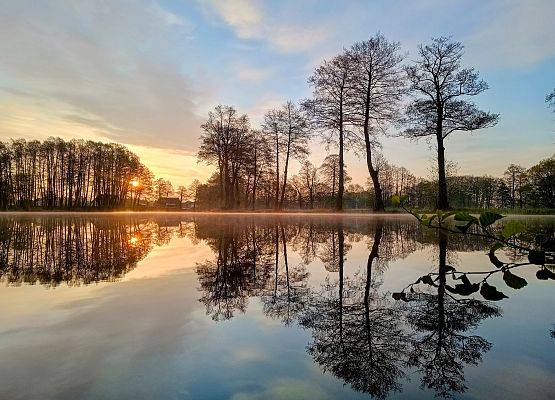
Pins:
x,y
481,228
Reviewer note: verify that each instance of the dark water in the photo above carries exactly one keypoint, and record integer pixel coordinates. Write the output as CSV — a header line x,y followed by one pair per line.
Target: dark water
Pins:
x,y
266,307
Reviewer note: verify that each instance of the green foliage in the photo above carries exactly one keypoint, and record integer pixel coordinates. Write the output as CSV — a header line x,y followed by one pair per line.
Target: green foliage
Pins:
x,y
487,218
512,228
464,216
482,223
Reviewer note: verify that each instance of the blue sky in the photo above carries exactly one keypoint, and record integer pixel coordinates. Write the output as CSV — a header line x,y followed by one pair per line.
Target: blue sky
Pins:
x,y
145,73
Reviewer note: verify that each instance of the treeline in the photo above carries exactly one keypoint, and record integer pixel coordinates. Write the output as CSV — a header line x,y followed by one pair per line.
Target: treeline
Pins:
x,y
519,188
316,188
358,96
76,174
51,250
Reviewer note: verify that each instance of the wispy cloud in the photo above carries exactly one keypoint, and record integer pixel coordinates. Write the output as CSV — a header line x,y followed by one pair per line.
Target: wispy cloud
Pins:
x,y
521,34
106,61
249,20
248,73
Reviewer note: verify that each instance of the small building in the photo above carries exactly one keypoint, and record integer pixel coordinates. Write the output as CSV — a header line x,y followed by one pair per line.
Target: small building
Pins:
x,y
169,203
188,205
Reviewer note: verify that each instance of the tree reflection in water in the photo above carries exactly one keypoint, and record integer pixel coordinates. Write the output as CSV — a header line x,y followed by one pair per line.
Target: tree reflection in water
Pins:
x,y
440,343
359,337
360,332
50,250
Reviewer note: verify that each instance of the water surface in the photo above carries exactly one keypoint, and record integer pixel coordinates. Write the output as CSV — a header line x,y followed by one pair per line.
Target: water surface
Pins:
x,y
190,306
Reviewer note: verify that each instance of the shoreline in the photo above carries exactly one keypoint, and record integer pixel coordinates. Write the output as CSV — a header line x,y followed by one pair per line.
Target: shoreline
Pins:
x,y
347,213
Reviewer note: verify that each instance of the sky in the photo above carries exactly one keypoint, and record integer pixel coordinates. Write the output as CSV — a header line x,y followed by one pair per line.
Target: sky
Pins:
x,y
145,73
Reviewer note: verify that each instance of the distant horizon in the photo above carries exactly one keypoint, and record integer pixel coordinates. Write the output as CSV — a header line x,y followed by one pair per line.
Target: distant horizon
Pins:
x,y
145,74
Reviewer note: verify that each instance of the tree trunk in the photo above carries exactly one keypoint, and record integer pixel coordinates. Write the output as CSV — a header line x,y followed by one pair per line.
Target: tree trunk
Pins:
x,y
442,200
276,205
341,246
378,202
285,172
341,186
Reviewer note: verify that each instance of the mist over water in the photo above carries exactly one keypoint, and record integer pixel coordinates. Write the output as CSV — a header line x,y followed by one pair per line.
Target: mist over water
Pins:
x,y
258,306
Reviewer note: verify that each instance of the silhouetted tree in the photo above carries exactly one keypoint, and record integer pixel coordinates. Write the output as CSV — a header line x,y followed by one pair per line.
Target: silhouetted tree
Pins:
x,y
441,87
540,184
58,174
223,143
377,87
515,176
294,130
308,175
358,333
330,111
273,133
163,187
441,348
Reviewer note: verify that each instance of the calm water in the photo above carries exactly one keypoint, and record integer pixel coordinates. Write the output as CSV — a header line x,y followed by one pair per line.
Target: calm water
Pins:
x,y
264,307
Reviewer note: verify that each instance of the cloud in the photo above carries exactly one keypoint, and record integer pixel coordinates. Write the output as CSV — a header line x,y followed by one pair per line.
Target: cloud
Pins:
x,y
251,74
278,28
285,388
520,34
110,66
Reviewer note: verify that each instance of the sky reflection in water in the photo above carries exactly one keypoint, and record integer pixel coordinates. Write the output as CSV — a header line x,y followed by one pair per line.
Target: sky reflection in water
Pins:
x,y
254,307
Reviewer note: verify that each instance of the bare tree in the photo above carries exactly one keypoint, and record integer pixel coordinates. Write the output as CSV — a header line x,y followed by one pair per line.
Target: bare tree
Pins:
x,y
376,90
224,141
193,191
440,86
163,187
272,130
515,178
330,172
309,178
182,192
329,109
294,128
259,159
58,174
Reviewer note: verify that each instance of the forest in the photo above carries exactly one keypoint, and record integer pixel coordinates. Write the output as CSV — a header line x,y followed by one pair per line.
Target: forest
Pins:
x,y
367,92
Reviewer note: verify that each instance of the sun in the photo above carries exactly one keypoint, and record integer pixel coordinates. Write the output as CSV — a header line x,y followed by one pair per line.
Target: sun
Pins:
x,y
135,183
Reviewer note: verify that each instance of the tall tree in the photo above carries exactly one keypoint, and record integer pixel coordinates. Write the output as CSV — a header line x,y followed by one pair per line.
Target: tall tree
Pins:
x,y
163,187
515,178
272,130
329,171
441,88
377,87
309,178
258,160
224,141
295,132
329,109
541,183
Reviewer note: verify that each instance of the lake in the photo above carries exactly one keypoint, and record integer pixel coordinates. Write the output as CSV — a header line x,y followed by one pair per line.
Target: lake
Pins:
x,y
198,306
